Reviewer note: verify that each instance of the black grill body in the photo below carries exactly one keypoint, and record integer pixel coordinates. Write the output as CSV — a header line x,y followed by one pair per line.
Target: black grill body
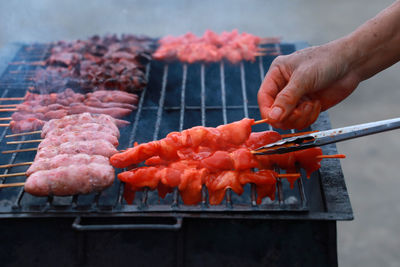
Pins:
x,y
297,229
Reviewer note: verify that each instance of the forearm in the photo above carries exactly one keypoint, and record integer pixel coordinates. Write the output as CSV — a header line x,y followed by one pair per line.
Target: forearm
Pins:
x,y
375,45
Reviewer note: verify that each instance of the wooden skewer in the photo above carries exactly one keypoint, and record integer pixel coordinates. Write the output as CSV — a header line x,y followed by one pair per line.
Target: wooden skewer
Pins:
x,y
22,134
260,121
12,174
259,54
11,98
32,63
19,150
15,165
11,185
6,119
8,109
4,124
297,134
337,156
24,142
9,106
270,40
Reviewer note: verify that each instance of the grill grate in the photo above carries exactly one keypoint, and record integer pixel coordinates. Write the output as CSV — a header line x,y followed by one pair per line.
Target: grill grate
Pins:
x,y
178,96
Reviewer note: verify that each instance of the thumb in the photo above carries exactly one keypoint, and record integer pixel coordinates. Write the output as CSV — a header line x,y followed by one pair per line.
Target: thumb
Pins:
x,y
287,100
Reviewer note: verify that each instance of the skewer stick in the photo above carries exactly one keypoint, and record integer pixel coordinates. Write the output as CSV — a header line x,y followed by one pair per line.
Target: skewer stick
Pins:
x,y
257,54
24,142
15,165
9,106
11,185
336,156
8,109
260,121
22,134
270,40
6,119
13,174
4,124
19,150
11,98
32,63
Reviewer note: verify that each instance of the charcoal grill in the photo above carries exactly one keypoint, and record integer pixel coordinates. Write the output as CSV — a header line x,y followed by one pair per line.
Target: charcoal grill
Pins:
x,y
299,227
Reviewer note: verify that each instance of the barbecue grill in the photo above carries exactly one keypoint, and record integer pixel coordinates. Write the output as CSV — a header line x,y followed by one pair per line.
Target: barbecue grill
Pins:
x,y
298,228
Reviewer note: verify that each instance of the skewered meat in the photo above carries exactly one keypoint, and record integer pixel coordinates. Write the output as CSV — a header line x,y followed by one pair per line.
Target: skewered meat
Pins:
x,y
72,160
211,47
56,140
20,116
116,112
263,179
47,99
65,160
87,127
219,182
79,119
30,124
114,96
94,102
195,161
99,63
224,136
70,180
94,147
56,106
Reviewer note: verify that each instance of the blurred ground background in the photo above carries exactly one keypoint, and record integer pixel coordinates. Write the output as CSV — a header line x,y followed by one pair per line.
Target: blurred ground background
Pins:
x,y
370,169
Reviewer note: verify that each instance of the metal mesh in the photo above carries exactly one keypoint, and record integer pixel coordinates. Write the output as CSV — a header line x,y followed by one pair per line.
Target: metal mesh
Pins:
x,y
178,96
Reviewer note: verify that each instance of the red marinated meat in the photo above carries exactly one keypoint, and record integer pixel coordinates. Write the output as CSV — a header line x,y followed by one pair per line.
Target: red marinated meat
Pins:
x,y
218,183
222,137
264,180
211,47
259,139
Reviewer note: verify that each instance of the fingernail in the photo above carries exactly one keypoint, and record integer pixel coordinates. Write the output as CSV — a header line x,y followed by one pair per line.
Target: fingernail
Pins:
x,y
275,113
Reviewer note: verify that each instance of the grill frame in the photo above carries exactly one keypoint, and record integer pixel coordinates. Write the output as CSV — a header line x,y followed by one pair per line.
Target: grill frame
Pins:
x,y
336,203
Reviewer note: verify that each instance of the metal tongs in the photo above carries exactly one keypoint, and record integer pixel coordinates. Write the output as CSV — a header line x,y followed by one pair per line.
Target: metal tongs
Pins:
x,y
327,137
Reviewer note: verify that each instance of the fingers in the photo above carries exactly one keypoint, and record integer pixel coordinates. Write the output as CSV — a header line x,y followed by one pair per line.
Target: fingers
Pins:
x,y
287,100
302,116
273,82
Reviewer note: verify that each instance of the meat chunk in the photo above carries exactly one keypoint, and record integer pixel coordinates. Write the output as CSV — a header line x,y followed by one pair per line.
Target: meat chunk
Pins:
x,y
94,147
65,160
70,180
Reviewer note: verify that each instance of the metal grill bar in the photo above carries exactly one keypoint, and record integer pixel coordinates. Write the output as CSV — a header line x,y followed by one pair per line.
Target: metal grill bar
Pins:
x,y
261,67
139,110
253,187
203,122
134,131
244,92
183,92
228,192
223,92
161,103
175,198
203,96
157,123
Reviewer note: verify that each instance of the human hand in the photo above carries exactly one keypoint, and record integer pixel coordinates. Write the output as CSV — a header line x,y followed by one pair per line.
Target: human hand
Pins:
x,y
299,86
